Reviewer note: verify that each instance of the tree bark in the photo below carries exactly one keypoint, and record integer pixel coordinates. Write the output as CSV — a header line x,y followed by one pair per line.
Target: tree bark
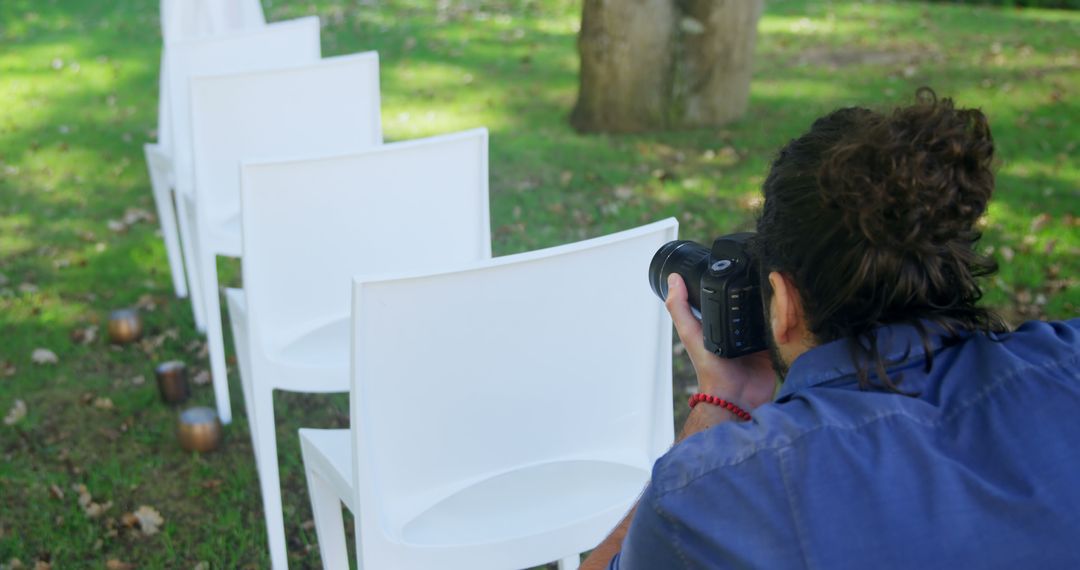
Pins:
x,y
626,48
661,64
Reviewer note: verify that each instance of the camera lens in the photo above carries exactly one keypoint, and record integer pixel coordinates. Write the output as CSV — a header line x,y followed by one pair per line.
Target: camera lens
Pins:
x,y
688,259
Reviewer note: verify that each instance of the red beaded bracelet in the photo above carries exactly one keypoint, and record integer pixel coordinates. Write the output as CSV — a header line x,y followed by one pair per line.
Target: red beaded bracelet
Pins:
x,y
710,399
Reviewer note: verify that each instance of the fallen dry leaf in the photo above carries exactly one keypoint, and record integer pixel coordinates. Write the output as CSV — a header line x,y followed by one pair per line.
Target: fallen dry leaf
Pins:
x,y
201,378
146,302
114,564
149,519
133,216
42,565
1007,253
202,566
624,192
44,356
138,380
1040,221
95,510
7,369
91,508
104,404
56,491
84,335
84,494
16,413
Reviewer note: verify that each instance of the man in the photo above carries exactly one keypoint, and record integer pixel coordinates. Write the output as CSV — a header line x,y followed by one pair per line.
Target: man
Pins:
x,y
911,430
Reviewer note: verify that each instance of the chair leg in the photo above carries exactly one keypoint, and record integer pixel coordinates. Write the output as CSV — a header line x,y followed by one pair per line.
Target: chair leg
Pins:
x,y
329,526
357,541
570,562
189,243
238,324
167,218
266,458
215,338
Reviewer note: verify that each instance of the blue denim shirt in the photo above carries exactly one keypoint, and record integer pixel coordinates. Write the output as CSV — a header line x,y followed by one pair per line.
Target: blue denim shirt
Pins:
x,y
980,470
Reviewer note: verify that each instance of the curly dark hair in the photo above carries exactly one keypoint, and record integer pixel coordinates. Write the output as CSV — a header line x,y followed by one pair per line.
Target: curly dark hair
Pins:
x,y
873,216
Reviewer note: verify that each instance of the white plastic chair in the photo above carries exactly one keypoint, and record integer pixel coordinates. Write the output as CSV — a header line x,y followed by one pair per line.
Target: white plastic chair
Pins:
x,y
308,227
283,43
325,107
502,415
184,20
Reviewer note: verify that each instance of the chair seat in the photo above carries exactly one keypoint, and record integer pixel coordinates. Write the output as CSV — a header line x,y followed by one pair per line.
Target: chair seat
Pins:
x,y
226,236
316,361
526,502
325,346
222,236
330,451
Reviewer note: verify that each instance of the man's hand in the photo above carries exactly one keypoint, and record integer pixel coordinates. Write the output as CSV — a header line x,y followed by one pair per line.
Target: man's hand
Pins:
x,y
748,381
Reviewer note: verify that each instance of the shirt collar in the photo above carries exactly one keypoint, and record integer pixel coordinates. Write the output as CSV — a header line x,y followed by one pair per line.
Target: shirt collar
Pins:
x,y
899,344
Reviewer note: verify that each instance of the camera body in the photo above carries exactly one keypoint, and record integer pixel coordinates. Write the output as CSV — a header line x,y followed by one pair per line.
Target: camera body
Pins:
x,y
724,288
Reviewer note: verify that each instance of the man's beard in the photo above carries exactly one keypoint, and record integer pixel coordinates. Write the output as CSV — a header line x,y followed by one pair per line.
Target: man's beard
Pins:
x,y
778,364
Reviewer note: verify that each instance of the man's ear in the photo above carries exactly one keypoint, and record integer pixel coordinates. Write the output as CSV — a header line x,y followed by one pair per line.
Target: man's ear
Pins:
x,y
785,310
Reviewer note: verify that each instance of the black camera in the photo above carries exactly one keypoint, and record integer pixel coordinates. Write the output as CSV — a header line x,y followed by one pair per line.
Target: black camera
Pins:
x,y
724,290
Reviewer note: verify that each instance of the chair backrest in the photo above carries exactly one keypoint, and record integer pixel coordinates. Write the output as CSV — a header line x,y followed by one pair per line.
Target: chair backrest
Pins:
x,y
274,45
189,19
553,355
310,225
327,107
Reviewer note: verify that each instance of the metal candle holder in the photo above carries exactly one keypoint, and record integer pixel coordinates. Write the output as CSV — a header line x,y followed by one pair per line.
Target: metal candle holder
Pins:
x,y
172,381
199,430
125,325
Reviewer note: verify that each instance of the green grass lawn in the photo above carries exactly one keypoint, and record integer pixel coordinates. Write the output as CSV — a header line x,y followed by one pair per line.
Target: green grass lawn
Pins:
x,y
78,93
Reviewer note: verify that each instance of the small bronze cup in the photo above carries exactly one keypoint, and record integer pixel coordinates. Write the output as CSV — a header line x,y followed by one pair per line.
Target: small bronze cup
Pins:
x,y
172,381
199,430
125,325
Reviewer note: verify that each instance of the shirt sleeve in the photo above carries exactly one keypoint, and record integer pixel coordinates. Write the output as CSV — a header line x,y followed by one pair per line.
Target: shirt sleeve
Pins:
x,y
650,541
733,515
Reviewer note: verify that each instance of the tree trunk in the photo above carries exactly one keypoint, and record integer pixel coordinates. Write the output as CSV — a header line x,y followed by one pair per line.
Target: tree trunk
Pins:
x,y
626,49
660,64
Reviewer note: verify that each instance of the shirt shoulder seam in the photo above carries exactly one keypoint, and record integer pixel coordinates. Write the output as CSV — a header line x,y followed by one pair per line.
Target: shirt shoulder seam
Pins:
x,y
985,391
671,522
